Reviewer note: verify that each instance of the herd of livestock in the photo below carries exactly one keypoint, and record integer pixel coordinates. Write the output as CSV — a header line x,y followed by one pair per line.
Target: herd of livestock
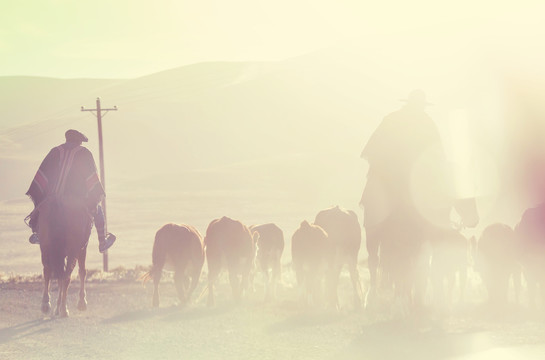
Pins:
x,y
321,249
318,250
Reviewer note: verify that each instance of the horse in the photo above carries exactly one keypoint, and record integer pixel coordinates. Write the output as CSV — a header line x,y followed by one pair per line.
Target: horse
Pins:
x,y
402,243
64,227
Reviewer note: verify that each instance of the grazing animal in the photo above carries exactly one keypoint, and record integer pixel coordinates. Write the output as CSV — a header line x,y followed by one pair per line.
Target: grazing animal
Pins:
x,y
270,246
64,229
497,262
229,244
310,250
530,233
180,247
344,233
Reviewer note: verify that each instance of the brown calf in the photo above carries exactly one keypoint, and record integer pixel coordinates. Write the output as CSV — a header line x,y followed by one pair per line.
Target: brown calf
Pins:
x,y
179,247
229,244
310,249
270,246
344,232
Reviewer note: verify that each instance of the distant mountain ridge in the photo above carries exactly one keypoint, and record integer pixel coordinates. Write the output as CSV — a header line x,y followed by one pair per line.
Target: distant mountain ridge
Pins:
x,y
193,117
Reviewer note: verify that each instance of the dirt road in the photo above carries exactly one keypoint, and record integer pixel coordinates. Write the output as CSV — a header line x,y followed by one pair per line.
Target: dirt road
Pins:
x,y
120,324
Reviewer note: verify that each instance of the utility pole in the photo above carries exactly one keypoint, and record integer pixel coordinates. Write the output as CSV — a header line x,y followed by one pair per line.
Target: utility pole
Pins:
x,y
99,111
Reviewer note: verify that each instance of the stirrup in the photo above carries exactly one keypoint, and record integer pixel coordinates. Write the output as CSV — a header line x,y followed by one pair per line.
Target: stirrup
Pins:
x,y
34,239
106,243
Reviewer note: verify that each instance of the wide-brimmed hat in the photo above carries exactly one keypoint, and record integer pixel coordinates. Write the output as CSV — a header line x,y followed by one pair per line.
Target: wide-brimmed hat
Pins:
x,y
417,97
75,136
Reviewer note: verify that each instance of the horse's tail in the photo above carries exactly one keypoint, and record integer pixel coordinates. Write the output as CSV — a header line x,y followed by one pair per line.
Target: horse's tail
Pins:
x,y
58,244
58,256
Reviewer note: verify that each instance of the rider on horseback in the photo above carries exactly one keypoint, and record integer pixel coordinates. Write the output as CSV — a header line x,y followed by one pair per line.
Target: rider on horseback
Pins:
x,y
69,170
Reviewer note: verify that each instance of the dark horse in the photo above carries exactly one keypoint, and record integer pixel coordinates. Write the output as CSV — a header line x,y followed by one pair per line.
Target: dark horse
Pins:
x,y
401,246
64,229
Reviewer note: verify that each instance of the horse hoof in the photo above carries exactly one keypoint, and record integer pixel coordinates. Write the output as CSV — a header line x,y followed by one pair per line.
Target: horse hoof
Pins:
x,y
64,313
46,308
82,305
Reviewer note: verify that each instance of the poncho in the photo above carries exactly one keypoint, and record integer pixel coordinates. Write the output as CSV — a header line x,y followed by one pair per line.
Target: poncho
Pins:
x,y
70,171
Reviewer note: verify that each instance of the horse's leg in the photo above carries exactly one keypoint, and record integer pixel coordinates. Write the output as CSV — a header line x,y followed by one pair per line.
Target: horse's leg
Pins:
x,y
63,309
82,302
60,285
46,304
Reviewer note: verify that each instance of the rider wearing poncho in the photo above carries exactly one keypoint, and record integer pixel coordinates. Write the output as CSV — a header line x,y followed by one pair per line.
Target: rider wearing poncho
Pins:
x,y
69,171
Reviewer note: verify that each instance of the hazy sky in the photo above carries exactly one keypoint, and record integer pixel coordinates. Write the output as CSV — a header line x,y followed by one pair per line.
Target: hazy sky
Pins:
x,y
128,38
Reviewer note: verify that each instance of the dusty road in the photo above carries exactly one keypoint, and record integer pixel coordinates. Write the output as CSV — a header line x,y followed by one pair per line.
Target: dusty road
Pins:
x,y
120,324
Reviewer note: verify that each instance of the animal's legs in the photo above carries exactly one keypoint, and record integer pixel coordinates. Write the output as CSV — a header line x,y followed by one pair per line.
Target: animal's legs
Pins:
x,y
62,306
332,285
356,284
82,302
179,282
156,272
276,273
46,304
372,244
63,290
266,274
235,283
195,275
213,272
60,285
463,284
517,283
